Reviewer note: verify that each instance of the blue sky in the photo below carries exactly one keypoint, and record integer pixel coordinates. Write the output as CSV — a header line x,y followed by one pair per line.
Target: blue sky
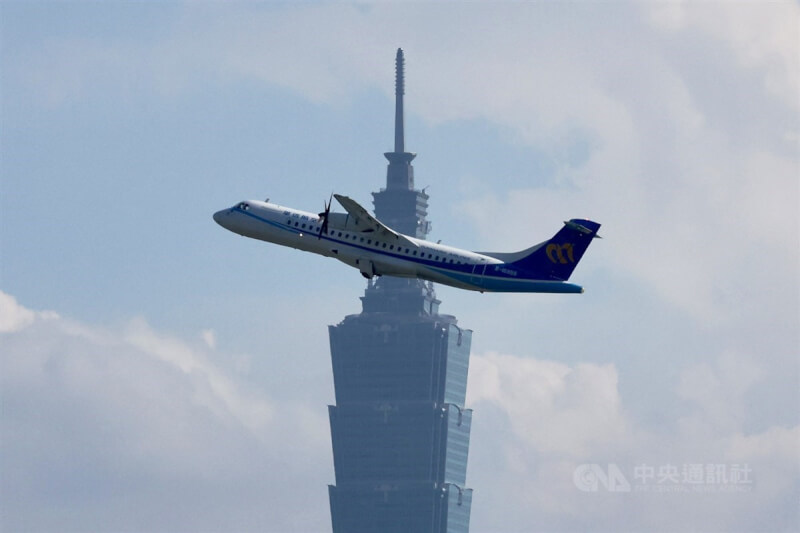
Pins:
x,y
161,374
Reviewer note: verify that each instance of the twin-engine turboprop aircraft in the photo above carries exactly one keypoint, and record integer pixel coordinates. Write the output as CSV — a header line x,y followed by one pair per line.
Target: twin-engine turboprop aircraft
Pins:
x,y
360,240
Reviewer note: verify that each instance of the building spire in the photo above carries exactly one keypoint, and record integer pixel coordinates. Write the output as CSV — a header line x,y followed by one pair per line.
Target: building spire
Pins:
x,y
400,173
399,91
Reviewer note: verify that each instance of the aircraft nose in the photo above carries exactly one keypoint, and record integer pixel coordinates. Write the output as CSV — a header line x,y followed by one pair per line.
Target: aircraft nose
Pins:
x,y
219,216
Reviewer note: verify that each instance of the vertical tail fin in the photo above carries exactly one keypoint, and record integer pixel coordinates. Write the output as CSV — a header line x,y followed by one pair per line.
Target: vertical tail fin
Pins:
x,y
557,258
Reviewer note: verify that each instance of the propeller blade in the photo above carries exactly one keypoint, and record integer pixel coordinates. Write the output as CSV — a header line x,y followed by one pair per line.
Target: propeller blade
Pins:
x,y
323,228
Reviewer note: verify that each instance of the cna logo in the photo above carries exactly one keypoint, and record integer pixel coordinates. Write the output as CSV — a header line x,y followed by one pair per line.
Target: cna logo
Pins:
x,y
589,477
555,253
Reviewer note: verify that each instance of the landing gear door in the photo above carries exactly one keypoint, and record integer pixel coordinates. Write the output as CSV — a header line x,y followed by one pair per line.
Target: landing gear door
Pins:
x,y
366,267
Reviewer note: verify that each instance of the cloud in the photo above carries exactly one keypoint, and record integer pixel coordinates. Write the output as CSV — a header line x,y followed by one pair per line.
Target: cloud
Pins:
x,y
551,406
689,160
546,419
98,423
760,37
223,393
14,317
718,390
209,337
691,179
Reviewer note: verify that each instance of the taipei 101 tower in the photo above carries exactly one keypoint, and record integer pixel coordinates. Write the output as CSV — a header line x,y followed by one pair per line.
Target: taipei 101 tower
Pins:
x,y
399,429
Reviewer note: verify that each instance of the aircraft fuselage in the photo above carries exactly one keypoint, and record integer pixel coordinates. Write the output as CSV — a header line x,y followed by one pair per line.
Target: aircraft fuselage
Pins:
x,y
375,253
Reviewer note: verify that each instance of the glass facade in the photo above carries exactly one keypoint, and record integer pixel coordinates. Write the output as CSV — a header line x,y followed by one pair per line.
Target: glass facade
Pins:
x,y
399,428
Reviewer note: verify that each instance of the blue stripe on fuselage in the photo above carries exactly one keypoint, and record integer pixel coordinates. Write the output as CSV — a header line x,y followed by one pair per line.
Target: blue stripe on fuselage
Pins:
x,y
467,268
463,273
511,284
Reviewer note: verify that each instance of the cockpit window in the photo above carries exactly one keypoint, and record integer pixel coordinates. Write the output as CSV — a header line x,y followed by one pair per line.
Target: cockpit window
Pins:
x,y
244,206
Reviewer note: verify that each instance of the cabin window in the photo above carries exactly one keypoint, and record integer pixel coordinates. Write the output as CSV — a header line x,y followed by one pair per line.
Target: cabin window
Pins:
x,y
303,226
415,252
369,241
384,245
340,234
391,247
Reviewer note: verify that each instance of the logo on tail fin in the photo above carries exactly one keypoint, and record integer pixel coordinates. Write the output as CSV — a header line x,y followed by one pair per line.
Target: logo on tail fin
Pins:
x,y
555,253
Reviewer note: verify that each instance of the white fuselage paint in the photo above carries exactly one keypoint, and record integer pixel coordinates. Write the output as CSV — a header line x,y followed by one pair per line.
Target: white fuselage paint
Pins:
x,y
376,255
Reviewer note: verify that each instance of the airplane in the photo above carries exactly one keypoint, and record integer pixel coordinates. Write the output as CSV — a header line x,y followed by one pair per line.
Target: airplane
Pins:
x,y
360,240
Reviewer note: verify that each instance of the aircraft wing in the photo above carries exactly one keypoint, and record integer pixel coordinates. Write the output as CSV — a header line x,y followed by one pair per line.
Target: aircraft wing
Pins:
x,y
369,222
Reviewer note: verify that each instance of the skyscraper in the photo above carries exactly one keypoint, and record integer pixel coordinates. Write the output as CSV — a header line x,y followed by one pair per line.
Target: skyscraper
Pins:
x,y
400,430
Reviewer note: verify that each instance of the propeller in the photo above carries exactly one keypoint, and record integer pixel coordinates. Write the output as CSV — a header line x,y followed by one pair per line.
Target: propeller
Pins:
x,y
324,216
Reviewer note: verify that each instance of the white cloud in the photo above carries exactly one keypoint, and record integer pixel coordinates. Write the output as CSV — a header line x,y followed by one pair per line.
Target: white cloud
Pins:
x,y
224,393
98,422
687,192
209,337
761,36
552,407
14,317
718,390
779,443
545,419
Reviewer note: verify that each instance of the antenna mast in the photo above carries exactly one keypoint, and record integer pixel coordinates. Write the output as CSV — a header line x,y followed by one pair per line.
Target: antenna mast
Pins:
x,y
399,91
400,173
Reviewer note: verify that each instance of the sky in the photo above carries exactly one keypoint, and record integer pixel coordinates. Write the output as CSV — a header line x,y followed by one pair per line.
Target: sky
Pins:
x,y
161,374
